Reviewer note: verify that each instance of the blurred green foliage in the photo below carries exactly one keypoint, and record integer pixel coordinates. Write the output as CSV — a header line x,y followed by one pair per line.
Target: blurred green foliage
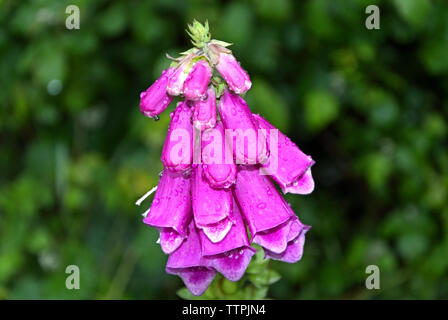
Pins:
x,y
370,106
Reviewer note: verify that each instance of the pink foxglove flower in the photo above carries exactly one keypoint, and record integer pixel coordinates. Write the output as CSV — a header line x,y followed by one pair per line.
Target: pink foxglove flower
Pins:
x,y
217,172
237,79
212,208
177,79
170,211
204,111
155,99
248,143
292,176
177,153
188,264
232,255
196,84
202,209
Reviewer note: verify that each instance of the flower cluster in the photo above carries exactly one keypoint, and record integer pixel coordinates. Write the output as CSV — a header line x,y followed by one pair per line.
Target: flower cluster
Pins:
x,y
204,208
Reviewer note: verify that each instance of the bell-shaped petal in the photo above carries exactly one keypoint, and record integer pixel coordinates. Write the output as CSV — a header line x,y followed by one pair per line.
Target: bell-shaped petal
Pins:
x,y
155,99
260,203
170,210
177,153
212,208
232,255
242,135
218,173
204,111
292,240
237,79
196,84
187,263
177,79
287,164
294,249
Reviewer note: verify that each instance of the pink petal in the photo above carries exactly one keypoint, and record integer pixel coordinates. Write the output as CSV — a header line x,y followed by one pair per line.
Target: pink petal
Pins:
x,y
217,172
177,153
248,144
237,79
212,208
259,201
197,81
170,210
154,100
204,115
287,164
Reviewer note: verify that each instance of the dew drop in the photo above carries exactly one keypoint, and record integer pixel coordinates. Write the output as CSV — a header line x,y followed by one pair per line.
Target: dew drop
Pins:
x,y
261,205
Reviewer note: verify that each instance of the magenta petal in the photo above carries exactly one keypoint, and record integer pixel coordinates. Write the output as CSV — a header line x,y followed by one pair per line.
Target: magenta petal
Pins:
x,y
189,253
237,79
170,210
204,115
304,185
212,208
236,238
170,240
196,279
177,79
218,173
154,100
274,239
294,250
231,255
197,81
287,164
233,263
187,263
177,153
248,144
259,201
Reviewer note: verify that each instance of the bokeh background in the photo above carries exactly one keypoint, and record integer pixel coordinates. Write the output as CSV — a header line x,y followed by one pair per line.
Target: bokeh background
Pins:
x,y
370,106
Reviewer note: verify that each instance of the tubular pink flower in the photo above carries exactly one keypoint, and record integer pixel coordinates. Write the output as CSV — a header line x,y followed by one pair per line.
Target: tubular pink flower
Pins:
x,y
260,203
237,79
242,134
170,210
287,165
177,153
204,114
195,86
212,208
187,263
177,79
294,239
218,173
155,99
232,255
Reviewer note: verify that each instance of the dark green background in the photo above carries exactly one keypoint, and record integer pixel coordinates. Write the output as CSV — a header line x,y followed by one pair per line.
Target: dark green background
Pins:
x,y
370,106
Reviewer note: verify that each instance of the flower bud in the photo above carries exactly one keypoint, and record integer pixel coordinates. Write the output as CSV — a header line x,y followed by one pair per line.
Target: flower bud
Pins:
x,y
177,79
155,99
237,79
197,82
204,111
